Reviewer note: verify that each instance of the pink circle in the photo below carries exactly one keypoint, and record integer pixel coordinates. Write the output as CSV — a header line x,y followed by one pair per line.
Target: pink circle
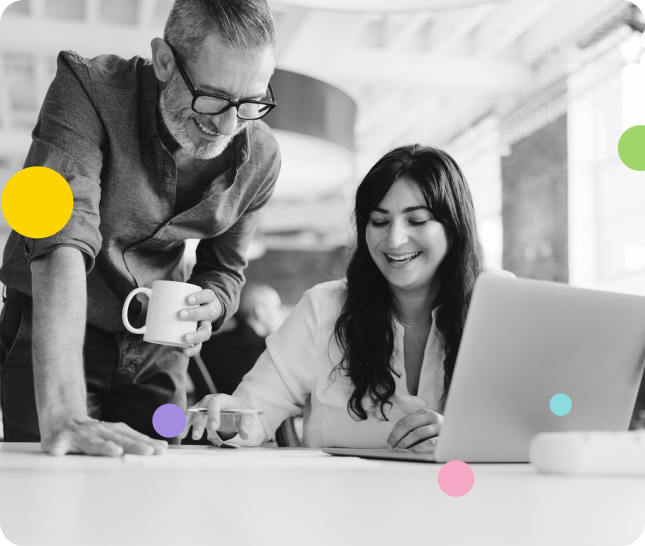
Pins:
x,y
456,478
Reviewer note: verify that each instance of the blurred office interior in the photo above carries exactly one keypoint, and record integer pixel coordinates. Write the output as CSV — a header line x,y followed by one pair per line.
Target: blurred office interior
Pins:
x,y
529,97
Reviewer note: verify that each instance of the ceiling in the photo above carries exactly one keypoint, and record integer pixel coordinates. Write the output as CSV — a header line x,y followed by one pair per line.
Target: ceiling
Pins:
x,y
416,74
385,6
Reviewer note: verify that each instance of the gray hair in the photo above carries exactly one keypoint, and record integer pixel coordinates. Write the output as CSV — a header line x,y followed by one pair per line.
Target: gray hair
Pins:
x,y
245,25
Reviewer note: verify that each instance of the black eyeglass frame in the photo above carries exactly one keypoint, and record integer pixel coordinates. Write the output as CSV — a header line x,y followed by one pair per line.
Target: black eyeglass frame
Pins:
x,y
231,103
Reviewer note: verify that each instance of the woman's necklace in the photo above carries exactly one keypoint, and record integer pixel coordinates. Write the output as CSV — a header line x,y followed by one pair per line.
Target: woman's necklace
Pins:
x,y
410,326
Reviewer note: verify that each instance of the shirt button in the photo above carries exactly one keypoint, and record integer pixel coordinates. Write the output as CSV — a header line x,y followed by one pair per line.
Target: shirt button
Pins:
x,y
168,176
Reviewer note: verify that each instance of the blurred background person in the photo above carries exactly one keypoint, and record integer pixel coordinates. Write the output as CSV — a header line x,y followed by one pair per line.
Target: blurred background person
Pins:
x,y
228,356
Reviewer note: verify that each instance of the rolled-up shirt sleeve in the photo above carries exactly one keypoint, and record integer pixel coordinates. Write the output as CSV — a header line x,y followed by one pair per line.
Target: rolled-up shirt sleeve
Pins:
x,y
221,260
282,379
68,139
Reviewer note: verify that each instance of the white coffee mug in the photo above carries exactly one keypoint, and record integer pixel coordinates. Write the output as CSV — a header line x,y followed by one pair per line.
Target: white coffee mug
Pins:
x,y
163,325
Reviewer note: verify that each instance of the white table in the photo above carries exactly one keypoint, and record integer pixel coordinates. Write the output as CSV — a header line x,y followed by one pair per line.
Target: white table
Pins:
x,y
199,495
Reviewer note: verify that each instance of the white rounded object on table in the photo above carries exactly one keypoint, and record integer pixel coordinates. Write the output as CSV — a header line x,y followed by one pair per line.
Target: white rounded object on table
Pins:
x,y
601,452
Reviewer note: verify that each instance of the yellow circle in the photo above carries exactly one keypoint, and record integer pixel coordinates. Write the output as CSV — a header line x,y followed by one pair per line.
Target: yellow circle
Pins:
x,y
37,202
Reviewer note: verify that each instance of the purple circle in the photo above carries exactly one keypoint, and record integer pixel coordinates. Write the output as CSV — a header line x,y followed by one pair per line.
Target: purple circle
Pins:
x,y
169,420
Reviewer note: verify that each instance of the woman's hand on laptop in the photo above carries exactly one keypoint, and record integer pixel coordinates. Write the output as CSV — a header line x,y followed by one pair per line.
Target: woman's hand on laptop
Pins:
x,y
226,426
417,431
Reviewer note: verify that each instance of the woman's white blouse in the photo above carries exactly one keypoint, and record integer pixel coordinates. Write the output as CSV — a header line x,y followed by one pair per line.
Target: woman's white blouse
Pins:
x,y
295,373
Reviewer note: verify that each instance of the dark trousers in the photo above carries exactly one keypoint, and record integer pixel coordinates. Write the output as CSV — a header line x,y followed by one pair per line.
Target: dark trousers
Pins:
x,y
127,379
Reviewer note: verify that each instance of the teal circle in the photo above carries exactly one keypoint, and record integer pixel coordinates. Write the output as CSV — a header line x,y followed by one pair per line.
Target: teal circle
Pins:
x,y
631,148
560,404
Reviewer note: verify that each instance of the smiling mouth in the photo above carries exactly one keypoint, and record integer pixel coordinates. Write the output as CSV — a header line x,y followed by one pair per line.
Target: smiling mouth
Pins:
x,y
206,130
401,260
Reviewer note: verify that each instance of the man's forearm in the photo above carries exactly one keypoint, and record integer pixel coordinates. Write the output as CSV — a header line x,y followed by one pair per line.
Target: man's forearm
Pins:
x,y
60,300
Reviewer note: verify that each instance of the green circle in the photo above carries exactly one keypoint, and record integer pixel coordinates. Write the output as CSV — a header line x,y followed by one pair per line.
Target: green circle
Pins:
x,y
631,148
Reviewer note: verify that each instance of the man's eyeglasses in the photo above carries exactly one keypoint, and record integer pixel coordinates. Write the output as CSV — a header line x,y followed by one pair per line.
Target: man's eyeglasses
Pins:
x,y
212,104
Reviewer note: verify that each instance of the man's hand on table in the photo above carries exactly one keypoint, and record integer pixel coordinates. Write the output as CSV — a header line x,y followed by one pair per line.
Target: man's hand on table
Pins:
x,y
92,437
209,310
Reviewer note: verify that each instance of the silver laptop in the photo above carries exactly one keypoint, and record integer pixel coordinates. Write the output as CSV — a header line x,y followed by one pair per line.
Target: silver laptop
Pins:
x,y
524,342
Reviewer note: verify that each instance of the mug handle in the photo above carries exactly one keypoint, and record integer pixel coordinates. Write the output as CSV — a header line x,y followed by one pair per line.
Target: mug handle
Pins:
x,y
124,314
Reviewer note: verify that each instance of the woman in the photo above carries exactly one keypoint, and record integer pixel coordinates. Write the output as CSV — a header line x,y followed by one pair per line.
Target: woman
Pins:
x,y
370,358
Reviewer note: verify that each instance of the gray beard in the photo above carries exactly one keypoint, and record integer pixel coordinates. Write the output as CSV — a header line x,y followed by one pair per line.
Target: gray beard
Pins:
x,y
177,118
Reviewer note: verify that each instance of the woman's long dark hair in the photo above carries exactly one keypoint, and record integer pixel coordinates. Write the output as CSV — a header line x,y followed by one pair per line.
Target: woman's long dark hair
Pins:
x,y
364,330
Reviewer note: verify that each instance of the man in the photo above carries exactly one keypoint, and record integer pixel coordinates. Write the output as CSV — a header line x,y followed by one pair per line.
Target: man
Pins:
x,y
155,152
231,355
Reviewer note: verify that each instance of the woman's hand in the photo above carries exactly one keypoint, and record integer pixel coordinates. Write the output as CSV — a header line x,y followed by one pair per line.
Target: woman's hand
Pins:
x,y
417,431
226,425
